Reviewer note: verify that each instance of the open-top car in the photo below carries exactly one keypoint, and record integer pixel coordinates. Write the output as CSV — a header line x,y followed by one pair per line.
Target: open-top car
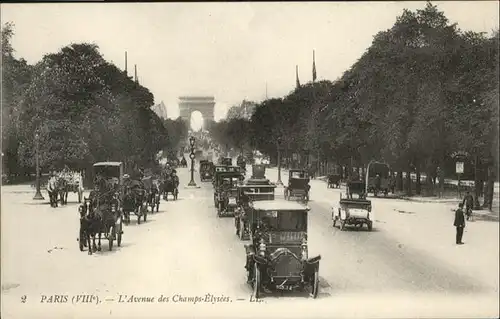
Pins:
x,y
277,258
298,185
225,192
247,194
206,171
352,211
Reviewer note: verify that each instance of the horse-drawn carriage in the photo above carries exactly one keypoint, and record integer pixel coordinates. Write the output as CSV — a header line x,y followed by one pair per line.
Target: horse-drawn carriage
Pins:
x,y
135,199
351,210
62,183
225,192
151,184
206,170
277,257
298,185
169,184
101,213
333,181
247,194
377,178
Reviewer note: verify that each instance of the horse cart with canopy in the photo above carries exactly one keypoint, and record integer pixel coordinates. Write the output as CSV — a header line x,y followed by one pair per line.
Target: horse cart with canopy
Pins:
x,y
298,185
225,192
352,210
70,182
247,194
101,213
277,258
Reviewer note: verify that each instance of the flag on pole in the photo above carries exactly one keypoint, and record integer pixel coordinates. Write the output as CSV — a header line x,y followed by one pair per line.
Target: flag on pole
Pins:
x,y
297,76
314,67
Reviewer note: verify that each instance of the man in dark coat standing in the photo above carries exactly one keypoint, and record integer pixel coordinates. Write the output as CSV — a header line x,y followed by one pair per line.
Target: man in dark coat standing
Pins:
x,y
459,223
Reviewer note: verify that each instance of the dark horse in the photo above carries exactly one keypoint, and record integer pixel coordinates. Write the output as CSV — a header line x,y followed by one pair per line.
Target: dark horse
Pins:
x,y
154,197
57,189
97,216
134,197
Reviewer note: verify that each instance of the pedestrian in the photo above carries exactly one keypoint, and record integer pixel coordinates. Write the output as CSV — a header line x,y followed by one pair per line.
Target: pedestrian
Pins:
x,y
459,223
469,203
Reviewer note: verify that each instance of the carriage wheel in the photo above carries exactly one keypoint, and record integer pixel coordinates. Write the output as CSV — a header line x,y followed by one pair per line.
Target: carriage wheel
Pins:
x,y
370,225
315,284
111,236
256,282
119,233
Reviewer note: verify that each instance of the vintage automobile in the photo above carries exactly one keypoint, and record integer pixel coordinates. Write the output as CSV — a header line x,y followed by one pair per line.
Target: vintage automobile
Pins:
x,y
247,194
277,258
206,171
110,223
377,178
258,171
225,192
298,185
352,211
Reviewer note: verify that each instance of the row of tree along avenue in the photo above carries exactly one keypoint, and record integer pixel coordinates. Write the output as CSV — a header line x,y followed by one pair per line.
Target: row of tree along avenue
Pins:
x,y
81,108
422,91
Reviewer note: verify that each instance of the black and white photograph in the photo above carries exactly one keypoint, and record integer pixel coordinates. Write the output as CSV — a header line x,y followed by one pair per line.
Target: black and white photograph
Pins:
x,y
250,159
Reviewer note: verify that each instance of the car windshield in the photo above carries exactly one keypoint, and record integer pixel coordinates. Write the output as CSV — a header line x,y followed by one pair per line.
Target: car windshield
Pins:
x,y
298,175
284,220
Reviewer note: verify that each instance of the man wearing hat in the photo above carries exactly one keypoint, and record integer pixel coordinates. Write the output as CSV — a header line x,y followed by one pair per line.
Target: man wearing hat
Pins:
x,y
459,224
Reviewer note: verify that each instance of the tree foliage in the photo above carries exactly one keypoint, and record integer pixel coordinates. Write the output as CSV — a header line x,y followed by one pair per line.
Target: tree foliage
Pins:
x,y
423,90
82,108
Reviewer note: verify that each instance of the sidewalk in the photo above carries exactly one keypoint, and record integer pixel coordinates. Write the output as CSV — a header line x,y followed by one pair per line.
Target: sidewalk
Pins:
x,y
494,215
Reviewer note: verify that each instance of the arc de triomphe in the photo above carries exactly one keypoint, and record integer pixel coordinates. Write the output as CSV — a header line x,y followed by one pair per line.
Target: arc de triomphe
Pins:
x,y
204,104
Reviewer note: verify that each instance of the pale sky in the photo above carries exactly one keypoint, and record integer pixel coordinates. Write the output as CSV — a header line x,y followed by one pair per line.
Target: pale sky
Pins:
x,y
227,50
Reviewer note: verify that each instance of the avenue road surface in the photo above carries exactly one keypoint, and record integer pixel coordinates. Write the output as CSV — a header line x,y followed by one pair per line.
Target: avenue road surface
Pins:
x,y
408,266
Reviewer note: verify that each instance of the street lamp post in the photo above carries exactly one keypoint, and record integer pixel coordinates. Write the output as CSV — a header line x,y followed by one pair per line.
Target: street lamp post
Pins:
x,y
279,182
38,194
191,156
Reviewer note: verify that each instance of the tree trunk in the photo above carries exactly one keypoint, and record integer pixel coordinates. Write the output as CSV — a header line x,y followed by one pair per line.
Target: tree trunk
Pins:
x,y
408,183
418,186
429,183
490,188
399,181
